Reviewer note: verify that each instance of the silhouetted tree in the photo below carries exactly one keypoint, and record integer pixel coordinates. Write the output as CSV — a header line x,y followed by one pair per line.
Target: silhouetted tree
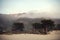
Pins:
x,y
18,26
47,25
37,25
58,27
1,30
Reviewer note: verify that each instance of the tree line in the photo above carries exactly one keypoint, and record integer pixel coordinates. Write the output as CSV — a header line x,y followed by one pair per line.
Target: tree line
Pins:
x,y
45,26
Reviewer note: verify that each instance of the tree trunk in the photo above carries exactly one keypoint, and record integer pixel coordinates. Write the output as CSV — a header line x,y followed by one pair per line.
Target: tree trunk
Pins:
x,y
45,30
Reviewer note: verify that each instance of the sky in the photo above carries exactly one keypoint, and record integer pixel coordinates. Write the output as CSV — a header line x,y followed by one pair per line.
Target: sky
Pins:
x,y
20,6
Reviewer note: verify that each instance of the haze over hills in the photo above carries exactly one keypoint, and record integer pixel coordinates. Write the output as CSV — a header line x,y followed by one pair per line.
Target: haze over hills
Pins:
x,y
7,20
14,17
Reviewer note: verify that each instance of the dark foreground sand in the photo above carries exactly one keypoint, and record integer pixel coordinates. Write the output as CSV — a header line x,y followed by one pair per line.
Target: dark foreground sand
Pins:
x,y
55,35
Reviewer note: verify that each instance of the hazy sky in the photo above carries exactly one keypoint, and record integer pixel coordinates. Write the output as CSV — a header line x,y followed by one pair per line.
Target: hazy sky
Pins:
x,y
18,6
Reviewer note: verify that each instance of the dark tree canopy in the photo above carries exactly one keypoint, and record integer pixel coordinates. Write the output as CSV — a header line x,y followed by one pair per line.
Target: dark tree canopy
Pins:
x,y
58,27
37,25
47,23
18,26
1,30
